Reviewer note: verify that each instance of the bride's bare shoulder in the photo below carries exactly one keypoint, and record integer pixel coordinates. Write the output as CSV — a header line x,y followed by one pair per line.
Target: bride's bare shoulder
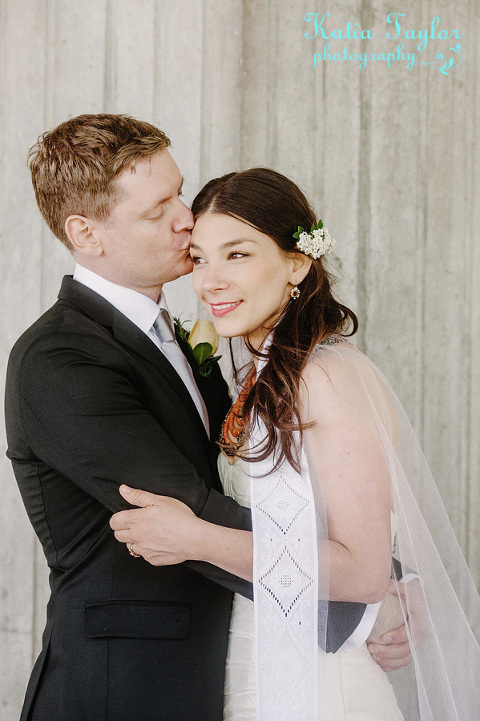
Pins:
x,y
332,379
330,360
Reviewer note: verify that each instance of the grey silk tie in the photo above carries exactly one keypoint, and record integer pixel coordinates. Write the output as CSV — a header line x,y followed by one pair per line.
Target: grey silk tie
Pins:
x,y
163,328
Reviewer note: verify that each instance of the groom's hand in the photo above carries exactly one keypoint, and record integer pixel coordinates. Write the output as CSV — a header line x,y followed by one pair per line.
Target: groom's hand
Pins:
x,y
162,530
388,640
390,647
394,650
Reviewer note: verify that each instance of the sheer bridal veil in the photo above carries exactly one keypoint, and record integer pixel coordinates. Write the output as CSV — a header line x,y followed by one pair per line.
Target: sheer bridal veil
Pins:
x,y
291,577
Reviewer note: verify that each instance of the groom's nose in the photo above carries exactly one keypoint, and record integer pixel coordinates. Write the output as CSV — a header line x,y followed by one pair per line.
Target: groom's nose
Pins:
x,y
183,219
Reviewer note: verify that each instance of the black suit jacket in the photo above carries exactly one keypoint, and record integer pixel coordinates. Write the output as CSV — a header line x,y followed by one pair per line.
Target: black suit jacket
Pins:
x,y
90,403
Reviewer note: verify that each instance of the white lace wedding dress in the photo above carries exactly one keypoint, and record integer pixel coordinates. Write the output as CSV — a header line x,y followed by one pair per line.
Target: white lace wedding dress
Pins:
x,y
354,687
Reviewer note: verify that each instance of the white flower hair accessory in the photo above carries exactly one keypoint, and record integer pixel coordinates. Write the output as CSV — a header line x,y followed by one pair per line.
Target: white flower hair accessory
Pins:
x,y
315,243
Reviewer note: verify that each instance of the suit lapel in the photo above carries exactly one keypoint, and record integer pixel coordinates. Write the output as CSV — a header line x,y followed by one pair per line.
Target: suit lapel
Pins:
x,y
128,334
214,389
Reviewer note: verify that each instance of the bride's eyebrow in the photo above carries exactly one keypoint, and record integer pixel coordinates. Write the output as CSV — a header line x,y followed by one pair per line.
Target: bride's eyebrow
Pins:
x,y
228,244
238,241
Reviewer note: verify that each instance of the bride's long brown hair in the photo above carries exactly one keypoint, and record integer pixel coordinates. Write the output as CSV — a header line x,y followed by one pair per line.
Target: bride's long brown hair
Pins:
x,y
274,205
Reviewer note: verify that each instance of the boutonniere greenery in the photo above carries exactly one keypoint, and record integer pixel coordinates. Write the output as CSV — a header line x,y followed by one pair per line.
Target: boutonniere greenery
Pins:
x,y
203,340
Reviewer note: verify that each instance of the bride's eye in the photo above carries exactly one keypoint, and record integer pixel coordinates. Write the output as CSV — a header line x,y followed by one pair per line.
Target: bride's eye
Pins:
x,y
197,259
237,254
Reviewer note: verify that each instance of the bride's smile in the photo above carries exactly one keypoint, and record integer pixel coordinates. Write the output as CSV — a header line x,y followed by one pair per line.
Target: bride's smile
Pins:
x,y
219,309
242,276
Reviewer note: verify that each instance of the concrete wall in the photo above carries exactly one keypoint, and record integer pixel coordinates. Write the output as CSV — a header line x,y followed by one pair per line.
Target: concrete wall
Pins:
x,y
389,156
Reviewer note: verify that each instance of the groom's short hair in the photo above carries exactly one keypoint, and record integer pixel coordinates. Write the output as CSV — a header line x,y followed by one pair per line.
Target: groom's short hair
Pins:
x,y
75,166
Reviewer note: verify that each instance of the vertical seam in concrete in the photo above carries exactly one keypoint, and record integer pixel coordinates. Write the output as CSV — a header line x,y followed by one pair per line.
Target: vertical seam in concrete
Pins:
x,y
50,9
424,258
241,84
272,86
320,184
3,73
156,51
465,349
423,294
201,149
203,134
470,230
364,195
319,143
244,4
48,110
109,74
422,236
153,31
51,16
425,231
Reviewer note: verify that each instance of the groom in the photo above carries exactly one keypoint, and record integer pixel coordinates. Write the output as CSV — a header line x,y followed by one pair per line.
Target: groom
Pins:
x,y
98,394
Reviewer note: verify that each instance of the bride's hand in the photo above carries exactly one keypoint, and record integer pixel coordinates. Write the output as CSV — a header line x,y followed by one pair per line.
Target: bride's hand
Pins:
x,y
162,530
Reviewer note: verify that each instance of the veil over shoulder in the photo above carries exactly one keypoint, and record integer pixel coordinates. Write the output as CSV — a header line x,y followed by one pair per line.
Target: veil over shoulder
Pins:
x,y
291,571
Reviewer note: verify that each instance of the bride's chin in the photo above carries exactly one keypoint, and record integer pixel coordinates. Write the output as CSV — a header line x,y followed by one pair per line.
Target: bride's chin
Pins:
x,y
223,334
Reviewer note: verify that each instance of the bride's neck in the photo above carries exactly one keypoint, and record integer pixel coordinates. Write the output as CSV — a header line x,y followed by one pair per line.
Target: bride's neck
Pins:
x,y
256,345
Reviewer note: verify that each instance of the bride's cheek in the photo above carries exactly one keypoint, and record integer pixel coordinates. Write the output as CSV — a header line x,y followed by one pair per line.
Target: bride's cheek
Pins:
x,y
207,307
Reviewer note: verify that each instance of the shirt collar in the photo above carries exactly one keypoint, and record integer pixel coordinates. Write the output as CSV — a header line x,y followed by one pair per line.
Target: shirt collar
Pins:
x,y
138,308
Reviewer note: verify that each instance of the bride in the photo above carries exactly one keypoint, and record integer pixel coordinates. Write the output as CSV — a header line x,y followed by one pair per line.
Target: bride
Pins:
x,y
343,504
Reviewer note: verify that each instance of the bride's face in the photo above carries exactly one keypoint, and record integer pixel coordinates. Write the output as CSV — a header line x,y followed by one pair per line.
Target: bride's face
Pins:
x,y
241,275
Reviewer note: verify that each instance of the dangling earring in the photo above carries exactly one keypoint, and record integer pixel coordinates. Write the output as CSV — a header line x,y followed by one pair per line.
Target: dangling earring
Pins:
x,y
295,293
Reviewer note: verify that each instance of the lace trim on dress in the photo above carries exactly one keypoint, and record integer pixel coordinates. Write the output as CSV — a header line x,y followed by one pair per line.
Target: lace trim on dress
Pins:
x,y
286,593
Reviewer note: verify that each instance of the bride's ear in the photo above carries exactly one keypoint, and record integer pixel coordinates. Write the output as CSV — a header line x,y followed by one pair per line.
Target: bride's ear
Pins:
x,y
300,264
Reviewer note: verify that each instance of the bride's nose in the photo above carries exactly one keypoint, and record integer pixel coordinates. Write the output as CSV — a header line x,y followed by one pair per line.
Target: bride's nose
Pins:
x,y
214,279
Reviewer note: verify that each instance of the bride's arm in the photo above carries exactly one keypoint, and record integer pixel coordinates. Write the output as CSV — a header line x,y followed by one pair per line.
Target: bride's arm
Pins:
x,y
347,466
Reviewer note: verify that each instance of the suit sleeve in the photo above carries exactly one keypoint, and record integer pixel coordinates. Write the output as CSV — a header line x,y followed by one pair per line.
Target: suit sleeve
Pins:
x,y
83,415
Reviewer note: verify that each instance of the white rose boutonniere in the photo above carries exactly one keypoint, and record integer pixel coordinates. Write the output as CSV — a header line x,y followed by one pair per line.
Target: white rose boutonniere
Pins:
x,y
203,340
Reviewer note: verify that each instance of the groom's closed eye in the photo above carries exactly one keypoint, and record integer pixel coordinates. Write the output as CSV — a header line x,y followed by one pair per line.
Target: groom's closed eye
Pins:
x,y
156,212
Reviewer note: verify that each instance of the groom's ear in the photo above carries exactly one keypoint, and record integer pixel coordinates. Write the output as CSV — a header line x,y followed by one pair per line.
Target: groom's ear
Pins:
x,y
81,233
300,264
